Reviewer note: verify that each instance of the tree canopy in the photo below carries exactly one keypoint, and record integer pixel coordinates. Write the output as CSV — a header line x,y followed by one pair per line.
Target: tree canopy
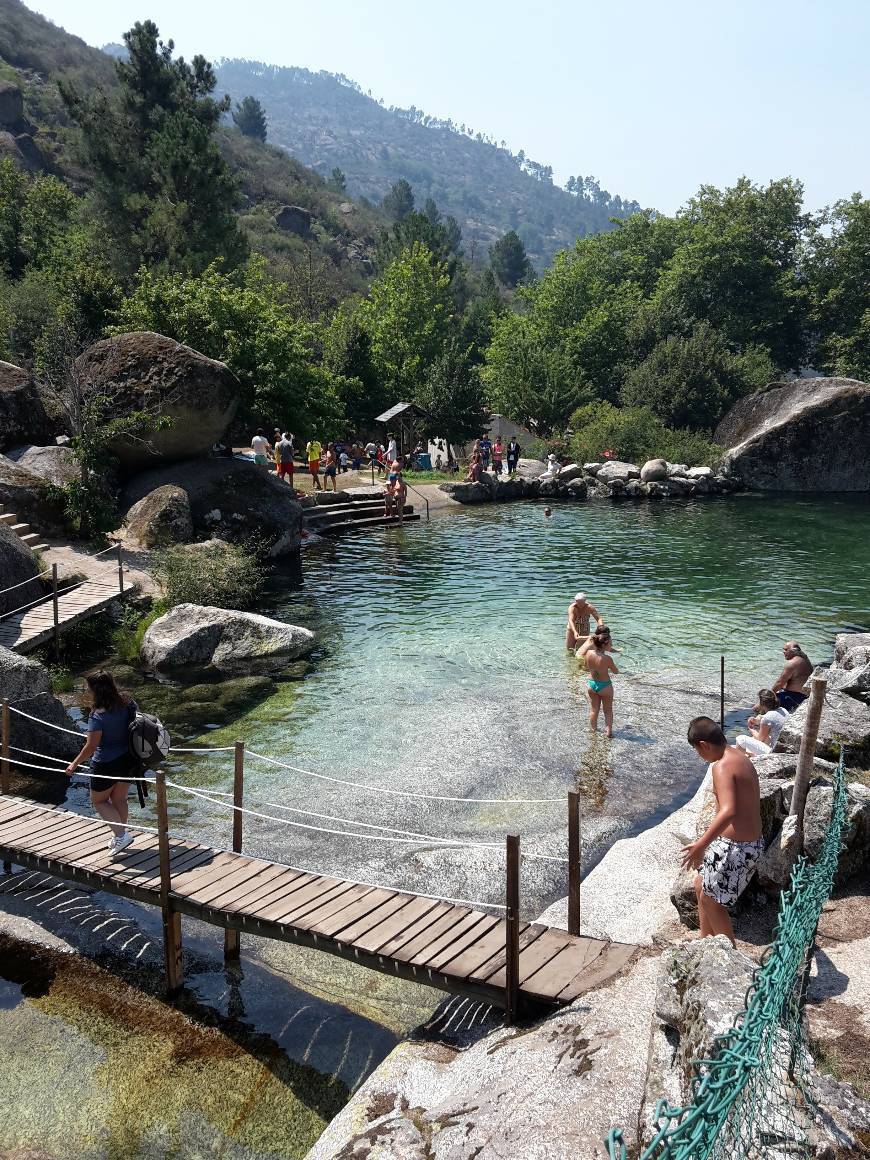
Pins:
x,y
250,118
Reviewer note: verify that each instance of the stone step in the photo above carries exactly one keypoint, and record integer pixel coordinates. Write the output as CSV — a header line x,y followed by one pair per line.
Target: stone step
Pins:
x,y
8,518
369,522
31,539
355,511
20,529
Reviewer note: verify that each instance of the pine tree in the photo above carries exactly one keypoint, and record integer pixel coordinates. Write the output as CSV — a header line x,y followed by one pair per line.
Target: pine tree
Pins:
x,y
509,260
250,118
399,202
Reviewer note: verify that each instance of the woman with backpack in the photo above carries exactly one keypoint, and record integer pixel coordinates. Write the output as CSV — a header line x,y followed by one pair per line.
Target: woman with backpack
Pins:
x,y
113,766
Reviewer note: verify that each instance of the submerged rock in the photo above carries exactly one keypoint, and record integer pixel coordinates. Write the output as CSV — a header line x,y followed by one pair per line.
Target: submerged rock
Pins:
x,y
194,636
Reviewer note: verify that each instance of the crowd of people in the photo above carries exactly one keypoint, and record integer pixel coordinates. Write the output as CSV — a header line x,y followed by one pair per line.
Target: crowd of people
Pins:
x,y
501,457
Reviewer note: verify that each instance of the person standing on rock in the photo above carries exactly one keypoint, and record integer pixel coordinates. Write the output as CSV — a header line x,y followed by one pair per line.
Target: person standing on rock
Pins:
x,y
262,448
513,456
765,727
579,613
497,456
284,452
727,853
108,747
330,468
485,451
314,449
789,685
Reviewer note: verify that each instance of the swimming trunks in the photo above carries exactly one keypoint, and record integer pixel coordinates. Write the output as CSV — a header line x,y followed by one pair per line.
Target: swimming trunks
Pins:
x,y
727,868
599,686
790,700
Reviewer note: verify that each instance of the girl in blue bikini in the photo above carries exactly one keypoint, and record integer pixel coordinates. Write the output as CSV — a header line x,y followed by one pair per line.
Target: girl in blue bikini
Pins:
x,y
600,687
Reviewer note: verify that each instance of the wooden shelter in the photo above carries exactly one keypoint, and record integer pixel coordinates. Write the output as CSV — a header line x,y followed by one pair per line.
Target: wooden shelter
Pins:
x,y
407,422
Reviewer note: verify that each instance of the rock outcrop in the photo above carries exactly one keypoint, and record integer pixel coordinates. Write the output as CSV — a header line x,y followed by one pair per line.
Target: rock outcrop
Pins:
x,y
845,721
143,371
55,464
159,518
27,684
192,636
30,497
23,416
17,567
295,219
233,499
805,435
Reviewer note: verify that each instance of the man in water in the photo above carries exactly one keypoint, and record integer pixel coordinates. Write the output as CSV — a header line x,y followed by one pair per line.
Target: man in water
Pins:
x,y
727,852
579,613
789,685
548,513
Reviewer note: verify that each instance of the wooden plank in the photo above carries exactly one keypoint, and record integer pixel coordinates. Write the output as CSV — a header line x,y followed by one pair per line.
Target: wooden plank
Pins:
x,y
376,920
445,914
261,888
138,859
414,911
35,829
333,925
493,972
542,951
315,901
609,963
270,910
250,888
437,960
551,978
26,821
195,867
55,844
82,848
485,956
456,919
207,892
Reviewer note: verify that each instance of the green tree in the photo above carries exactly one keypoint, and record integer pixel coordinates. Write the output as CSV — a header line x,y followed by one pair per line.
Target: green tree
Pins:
x,y
432,212
453,395
635,434
838,268
407,316
439,238
250,118
691,381
509,260
399,202
337,180
160,184
347,355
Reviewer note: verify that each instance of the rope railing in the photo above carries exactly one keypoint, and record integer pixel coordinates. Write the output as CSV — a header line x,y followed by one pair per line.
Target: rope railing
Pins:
x,y
21,583
755,1096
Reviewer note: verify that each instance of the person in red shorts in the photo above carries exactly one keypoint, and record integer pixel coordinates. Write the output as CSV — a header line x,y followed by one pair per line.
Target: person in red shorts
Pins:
x,y
284,452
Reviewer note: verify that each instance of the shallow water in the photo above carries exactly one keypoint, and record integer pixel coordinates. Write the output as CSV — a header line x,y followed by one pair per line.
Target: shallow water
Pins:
x,y
441,671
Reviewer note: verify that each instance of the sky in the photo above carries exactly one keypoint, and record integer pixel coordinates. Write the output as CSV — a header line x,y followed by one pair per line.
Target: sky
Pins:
x,y
654,101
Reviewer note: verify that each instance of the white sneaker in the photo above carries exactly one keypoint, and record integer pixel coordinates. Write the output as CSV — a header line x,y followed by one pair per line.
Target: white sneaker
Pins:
x,y
122,843
111,846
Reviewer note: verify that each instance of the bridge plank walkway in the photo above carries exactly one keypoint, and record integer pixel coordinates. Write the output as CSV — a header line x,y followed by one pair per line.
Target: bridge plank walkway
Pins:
x,y
450,946
26,630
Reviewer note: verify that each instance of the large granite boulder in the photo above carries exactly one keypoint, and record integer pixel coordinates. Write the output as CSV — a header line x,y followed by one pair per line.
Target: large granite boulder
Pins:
x,y
464,492
17,567
159,518
845,721
805,435
23,416
233,499
530,468
616,469
143,371
55,464
193,636
11,105
27,685
654,470
31,498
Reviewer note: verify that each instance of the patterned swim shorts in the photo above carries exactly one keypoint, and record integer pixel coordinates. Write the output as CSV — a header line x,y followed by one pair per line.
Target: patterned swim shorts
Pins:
x,y
727,868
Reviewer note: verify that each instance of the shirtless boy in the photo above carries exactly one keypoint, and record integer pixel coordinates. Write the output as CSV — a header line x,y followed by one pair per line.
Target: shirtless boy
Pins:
x,y
789,685
579,612
600,687
727,852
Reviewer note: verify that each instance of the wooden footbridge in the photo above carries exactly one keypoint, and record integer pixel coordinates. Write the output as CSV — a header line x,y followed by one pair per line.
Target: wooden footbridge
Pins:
x,y
51,615
445,943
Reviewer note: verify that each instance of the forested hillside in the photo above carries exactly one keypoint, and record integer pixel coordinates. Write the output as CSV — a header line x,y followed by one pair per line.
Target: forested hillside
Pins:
x,y
328,122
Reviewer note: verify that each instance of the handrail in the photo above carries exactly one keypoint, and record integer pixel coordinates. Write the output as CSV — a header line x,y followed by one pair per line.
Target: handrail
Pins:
x,y
422,497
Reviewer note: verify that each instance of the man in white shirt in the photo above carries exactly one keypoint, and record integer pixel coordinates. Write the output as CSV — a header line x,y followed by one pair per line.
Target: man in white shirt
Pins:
x,y
262,448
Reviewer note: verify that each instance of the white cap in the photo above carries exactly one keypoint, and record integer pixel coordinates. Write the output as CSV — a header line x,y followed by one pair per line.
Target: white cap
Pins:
x,y
580,597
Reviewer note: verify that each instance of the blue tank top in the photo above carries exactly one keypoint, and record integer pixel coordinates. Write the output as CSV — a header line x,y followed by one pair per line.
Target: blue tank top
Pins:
x,y
114,724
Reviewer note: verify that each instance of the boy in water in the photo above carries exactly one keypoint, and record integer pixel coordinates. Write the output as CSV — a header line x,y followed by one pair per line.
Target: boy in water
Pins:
x,y
727,852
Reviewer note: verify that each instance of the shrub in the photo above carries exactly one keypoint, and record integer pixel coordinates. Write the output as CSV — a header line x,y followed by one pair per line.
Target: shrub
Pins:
x,y
217,574
127,637
636,435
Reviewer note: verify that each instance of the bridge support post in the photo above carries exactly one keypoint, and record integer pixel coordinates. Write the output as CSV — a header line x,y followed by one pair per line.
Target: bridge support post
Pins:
x,y
55,611
512,928
4,762
574,877
171,917
120,568
231,937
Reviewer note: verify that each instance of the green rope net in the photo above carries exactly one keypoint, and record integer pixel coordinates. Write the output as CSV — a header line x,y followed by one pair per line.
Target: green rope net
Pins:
x,y
754,1097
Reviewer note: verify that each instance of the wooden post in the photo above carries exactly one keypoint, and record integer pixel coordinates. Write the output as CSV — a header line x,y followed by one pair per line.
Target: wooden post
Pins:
x,y
4,764
171,918
512,927
120,568
722,693
574,863
804,770
231,937
55,611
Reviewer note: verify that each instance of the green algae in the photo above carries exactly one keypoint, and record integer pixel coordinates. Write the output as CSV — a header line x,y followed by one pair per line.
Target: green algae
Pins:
x,y
95,1068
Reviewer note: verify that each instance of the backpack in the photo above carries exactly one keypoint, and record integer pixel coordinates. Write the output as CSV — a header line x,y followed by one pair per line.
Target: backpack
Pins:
x,y
148,739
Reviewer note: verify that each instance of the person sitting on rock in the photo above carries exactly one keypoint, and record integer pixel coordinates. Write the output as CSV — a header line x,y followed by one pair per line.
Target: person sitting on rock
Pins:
x,y
789,685
765,727
553,466
475,468
727,852
579,613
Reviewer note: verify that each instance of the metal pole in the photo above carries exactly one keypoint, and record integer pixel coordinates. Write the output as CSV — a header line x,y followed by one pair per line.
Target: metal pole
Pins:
x,y
722,693
120,569
4,764
573,863
55,611
171,918
804,770
231,937
512,927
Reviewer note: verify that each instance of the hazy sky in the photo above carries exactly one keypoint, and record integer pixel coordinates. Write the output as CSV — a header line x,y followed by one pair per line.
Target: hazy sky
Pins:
x,y
653,100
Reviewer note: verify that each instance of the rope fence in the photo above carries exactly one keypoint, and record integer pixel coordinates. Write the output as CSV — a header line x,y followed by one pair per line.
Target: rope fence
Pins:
x,y
754,1097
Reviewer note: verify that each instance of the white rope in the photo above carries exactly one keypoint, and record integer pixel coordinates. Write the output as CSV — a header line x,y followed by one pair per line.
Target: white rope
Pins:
x,y
28,765
42,599
49,724
21,583
318,829
215,749
407,793
44,756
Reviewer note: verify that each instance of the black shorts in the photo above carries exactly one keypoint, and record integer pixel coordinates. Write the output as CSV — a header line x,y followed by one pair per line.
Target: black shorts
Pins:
x,y
123,768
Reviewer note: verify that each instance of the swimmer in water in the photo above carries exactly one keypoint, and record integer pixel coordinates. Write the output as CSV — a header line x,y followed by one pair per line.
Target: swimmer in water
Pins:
x,y
548,513
600,687
579,613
